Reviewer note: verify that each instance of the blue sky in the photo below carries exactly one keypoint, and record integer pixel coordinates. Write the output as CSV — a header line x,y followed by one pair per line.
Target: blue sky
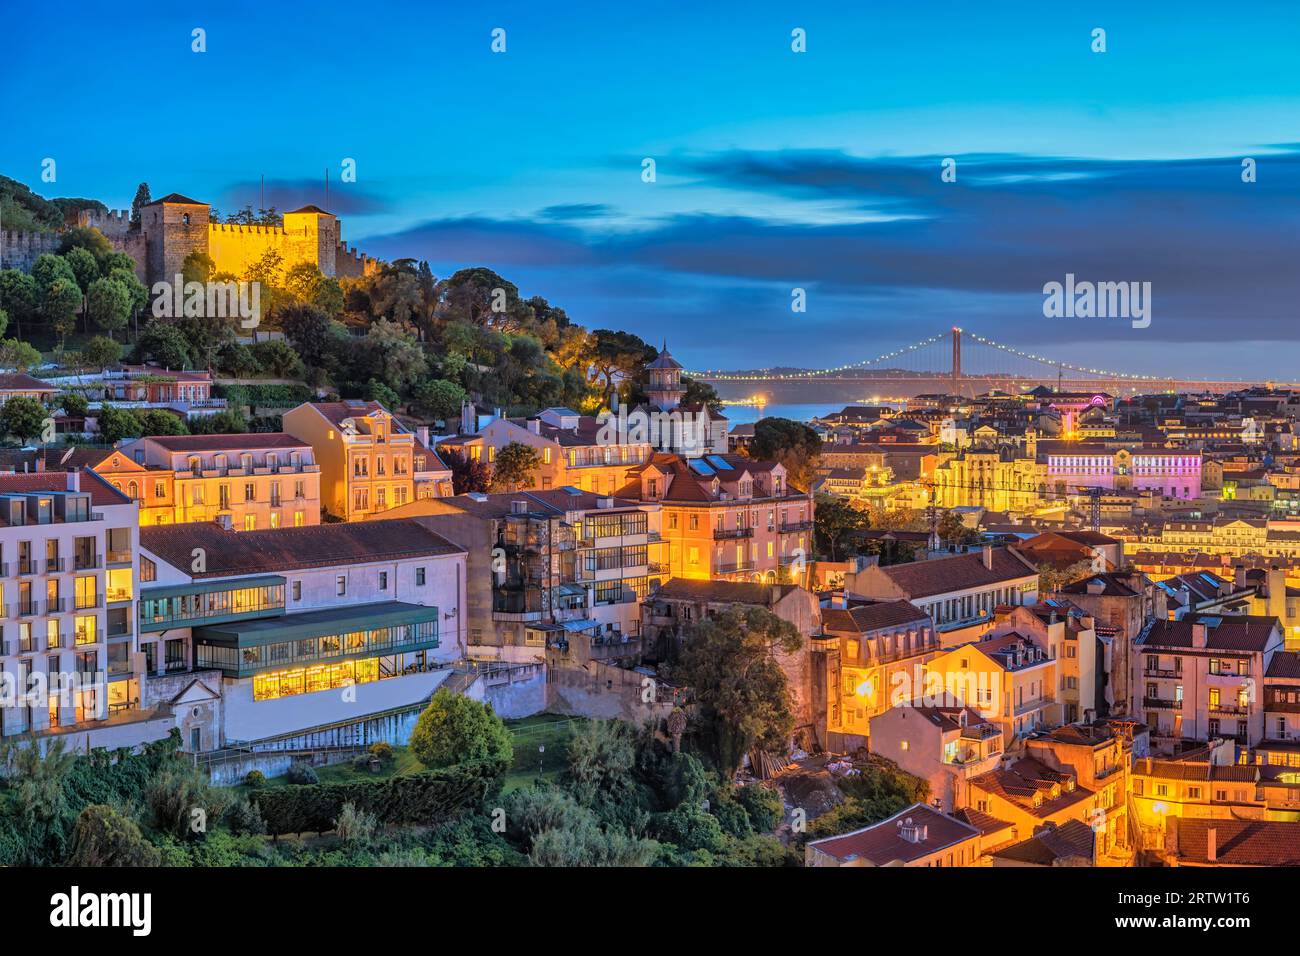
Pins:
x,y
818,170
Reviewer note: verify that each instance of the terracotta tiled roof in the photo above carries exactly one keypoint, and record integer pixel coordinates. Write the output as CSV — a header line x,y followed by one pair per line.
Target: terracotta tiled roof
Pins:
x,y
981,821
555,502
1284,664
1073,838
338,412
239,442
1019,782
1224,632
870,617
1240,842
21,382
101,492
288,549
883,843
723,592
921,579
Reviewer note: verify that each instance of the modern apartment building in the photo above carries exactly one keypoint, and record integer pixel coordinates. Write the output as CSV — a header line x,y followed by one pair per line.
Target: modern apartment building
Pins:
x,y
68,568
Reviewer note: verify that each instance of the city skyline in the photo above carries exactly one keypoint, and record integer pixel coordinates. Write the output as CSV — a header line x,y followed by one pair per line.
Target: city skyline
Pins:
x,y
775,170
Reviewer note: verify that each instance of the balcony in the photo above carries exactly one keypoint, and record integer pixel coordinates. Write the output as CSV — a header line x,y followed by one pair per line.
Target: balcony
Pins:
x,y
88,602
87,562
791,527
118,557
53,565
1161,703
87,637
56,605
725,534
1163,673
734,568
1229,710
29,608
26,566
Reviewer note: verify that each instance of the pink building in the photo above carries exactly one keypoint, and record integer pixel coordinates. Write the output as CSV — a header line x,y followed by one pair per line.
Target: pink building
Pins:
x,y
1172,472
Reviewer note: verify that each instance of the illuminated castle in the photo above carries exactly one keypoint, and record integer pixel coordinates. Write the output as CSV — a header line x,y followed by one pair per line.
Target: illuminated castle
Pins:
x,y
175,226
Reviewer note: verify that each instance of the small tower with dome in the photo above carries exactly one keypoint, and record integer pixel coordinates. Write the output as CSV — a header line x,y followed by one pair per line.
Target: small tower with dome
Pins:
x,y
665,389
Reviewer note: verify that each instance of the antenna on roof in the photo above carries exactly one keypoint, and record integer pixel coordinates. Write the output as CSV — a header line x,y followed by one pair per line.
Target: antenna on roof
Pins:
x,y
327,187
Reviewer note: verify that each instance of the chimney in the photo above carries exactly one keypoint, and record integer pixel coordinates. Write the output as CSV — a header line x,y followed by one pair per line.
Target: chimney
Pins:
x,y
1200,635
74,480
535,426
226,522
988,556
422,433
1211,845
1239,576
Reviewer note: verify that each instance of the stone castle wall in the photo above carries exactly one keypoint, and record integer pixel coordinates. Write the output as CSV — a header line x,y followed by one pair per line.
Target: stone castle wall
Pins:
x,y
170,232
19,250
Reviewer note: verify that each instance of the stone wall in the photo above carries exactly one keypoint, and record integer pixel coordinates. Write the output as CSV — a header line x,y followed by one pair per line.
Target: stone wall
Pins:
x,y
19,250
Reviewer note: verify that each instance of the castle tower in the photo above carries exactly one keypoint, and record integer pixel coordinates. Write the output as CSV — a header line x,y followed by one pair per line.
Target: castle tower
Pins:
x,y
173,227
320,229
665,390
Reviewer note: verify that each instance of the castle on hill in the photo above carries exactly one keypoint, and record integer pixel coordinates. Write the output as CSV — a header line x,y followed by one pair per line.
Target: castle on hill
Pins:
x,y
174,226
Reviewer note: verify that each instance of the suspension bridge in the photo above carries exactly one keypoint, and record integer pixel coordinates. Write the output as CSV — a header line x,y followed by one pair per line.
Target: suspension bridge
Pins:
x,y
954,361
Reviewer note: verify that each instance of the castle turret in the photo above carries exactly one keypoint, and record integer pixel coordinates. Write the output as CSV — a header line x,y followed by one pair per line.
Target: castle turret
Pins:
x,y
173,227
665,389
319,228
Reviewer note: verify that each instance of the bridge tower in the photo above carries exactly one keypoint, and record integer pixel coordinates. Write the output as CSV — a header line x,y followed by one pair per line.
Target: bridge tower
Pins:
x,y
956,360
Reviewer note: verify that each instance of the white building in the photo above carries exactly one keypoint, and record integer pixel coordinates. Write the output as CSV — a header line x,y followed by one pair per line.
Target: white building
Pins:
x,y
67,585
302,629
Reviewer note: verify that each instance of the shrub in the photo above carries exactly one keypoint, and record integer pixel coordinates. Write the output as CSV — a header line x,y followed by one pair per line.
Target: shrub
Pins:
x,y
423,798
690,828
255,779
302,774
183,803
104,837
764,806
355,826
382,750
454,728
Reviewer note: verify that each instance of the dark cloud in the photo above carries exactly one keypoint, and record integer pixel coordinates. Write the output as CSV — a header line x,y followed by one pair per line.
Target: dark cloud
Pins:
x,y
288,194
577,211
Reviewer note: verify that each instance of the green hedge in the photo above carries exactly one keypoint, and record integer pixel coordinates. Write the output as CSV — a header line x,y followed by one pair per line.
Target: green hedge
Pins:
x,y
428,797
265,396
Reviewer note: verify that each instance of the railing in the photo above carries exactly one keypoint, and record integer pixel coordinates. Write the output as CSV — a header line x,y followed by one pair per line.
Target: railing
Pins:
x,y
56,606
789,527
87,603
733,568
1234,710
723,534
1161,703
26,566
87,562
53,565
1162,672
118,557
29,608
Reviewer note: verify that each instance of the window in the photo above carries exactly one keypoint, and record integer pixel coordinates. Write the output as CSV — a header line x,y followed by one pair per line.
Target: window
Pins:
x,y
383,580
297,590
299,519
250,522
341,585
419,577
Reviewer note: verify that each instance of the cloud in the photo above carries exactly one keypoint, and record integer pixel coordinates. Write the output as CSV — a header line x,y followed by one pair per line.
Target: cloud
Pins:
x,y
577,211
288,194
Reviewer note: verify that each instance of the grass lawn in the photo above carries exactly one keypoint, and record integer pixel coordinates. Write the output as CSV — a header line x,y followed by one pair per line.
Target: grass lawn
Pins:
x,y
551,731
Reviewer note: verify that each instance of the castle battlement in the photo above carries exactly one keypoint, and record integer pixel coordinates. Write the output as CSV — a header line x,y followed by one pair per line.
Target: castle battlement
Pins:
x,y
249,230
20,250
114,223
